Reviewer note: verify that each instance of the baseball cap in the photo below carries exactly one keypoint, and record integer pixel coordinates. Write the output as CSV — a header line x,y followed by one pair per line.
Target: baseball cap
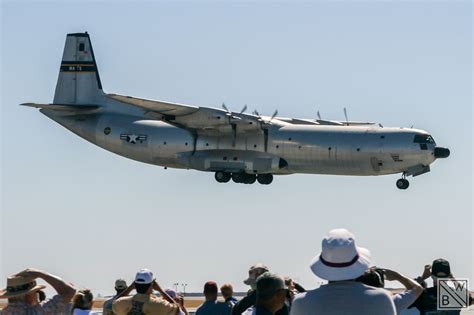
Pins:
x,y
120,284
268,283
440,268
144,276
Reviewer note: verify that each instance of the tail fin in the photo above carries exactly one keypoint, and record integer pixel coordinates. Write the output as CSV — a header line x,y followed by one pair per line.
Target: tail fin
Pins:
x,y
78,81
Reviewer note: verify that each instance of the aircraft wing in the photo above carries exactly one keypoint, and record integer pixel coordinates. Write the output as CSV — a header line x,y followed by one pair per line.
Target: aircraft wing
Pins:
x,y
202,119
164,108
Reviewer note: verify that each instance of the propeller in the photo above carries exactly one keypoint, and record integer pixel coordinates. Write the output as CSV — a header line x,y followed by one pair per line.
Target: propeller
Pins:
x,y
231,113
261,120
319,115
232,119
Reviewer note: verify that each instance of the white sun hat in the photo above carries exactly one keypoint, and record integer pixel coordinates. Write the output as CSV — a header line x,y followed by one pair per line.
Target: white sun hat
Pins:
x,y
340,258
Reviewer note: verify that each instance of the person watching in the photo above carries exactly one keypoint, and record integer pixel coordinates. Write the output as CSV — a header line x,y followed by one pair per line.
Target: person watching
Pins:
x,y
376,277
248,301
82,303
227,292
211,306
144,302
272,293
120,286
341,262
22,293
427,302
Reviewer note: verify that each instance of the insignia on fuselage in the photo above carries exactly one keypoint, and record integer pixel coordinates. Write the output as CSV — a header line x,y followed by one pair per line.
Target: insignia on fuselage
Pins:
x,y
133,138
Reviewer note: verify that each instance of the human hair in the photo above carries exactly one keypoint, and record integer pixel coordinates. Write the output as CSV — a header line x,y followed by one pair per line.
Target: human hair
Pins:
x,y
82,300
142,288
227,290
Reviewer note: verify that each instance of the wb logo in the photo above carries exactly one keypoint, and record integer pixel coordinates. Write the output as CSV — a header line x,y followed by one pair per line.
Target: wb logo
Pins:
x,y
453,294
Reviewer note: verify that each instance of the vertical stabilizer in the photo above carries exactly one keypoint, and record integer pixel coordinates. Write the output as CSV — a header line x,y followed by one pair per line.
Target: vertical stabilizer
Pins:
x,y
78,81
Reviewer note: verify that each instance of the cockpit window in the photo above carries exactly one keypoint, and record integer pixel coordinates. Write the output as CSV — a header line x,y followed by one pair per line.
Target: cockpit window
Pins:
x,y
424,139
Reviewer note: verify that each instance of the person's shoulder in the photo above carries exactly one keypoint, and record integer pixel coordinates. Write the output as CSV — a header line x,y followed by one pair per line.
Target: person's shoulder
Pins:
x,y
108,301
123,299
304,297
376,292
120,302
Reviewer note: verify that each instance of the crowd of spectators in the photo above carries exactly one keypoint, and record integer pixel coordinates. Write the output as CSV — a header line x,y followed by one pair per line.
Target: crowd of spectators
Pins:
x,y
354,286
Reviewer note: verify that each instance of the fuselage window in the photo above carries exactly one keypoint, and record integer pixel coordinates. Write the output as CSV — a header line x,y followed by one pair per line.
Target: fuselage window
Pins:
x,y
81,47
424,139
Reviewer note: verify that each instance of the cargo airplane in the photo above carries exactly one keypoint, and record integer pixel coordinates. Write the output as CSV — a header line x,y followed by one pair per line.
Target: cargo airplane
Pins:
x,y
244,147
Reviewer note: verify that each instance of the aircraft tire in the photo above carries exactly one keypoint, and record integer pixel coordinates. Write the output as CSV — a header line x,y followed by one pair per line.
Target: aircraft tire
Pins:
x,y
222,177
265,179
238,178
402,183
250,178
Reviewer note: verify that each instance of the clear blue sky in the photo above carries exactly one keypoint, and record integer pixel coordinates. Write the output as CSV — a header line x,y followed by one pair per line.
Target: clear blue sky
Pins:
x,y
91,216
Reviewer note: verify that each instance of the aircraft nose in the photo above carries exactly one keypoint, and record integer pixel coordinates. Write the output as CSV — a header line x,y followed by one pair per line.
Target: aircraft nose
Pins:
x,y
441,153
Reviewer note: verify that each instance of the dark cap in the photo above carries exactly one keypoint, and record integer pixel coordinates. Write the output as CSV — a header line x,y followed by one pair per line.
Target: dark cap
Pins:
x,y
210,287
268,284
440,268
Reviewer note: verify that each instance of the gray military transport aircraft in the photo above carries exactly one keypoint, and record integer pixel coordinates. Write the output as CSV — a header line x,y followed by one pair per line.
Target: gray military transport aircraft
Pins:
x,y
240,146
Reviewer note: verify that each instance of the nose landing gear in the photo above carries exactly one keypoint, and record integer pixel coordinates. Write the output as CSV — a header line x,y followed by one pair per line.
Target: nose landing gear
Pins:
x,y
403,183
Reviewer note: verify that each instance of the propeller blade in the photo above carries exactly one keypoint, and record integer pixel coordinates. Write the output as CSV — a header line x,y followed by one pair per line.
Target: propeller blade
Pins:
x,y
274,114
225,107
345,114
244,109
319,115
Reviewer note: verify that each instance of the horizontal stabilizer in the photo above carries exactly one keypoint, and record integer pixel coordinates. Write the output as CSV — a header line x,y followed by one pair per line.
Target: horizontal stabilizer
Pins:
x,y
62,107
165,108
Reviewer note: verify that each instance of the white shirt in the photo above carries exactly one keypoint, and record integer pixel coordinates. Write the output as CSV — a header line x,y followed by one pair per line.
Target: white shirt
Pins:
x,y
344,297
404,299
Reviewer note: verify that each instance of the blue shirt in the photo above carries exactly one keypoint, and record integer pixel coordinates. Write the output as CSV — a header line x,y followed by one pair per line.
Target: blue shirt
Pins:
x,y
213,308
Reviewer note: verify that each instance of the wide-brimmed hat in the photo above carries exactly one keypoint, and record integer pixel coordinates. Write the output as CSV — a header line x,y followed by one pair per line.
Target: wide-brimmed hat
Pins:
x,y
261,268
340,258
18,285
120,284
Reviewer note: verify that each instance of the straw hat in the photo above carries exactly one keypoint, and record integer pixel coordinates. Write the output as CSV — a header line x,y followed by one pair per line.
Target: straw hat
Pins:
x,y
18,285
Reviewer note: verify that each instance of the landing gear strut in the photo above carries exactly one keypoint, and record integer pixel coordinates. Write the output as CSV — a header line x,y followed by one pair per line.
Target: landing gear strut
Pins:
x,y
403,183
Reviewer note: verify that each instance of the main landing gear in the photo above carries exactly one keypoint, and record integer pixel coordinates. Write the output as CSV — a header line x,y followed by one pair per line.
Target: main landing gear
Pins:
x,y
243,178
403,183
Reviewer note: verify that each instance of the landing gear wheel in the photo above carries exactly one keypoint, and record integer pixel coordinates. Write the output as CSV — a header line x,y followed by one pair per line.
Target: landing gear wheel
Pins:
x,y
403,183
238,177
222,177
265,179
250,178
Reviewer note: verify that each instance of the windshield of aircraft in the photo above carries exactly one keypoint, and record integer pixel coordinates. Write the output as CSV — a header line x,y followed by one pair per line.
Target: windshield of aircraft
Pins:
x,y
424,139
